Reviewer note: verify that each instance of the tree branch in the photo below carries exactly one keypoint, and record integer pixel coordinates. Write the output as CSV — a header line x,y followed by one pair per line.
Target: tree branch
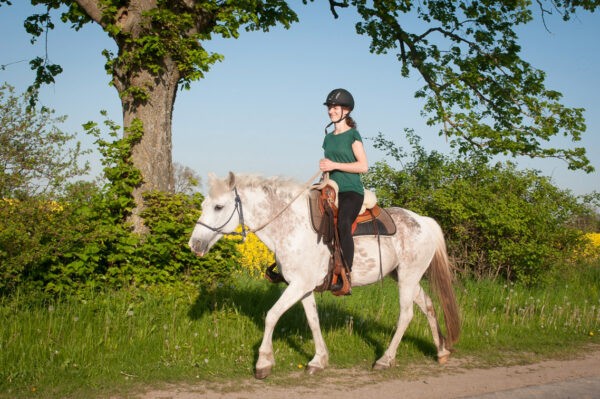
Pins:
x,y
92,10
544,11
454,36
333,4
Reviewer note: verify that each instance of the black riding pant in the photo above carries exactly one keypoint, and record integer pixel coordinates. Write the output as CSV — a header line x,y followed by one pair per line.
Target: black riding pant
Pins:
x,y
349,204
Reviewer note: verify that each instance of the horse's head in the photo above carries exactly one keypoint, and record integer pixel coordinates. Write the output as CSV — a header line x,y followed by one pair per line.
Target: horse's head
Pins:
x,y
221,213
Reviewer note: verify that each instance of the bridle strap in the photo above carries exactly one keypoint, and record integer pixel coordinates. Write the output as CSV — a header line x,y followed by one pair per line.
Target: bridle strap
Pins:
x,y
239,210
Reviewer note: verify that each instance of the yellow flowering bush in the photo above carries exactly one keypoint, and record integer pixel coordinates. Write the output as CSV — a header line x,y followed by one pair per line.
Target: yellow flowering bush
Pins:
x,y
10,201
592,249
52,206
254,255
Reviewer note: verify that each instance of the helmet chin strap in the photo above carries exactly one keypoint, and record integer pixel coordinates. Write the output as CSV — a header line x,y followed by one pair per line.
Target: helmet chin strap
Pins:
x,y
338,121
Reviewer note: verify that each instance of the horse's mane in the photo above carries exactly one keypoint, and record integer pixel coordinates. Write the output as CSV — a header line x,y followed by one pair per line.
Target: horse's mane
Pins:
x,y
271,184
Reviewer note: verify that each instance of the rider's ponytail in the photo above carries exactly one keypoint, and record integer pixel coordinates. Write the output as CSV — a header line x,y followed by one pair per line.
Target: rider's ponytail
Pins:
x,y
351,122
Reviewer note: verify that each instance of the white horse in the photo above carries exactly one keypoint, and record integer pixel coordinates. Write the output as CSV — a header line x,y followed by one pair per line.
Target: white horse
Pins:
x,y
277,211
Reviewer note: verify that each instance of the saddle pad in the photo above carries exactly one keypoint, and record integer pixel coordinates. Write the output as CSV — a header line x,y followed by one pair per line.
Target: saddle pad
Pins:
x,y
384,224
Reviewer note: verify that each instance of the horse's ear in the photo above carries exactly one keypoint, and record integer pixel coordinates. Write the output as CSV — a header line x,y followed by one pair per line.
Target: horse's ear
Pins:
x,y
231,181
211,178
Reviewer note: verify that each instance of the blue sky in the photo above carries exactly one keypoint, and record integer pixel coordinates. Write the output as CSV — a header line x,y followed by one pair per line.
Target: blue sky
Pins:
x,y
260,110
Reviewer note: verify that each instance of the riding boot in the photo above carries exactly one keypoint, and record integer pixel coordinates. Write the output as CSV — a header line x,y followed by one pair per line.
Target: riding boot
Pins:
x,y
337,284
342,285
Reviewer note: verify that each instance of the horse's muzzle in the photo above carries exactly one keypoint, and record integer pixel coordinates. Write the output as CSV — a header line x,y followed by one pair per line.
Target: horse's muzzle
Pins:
x,y
198,247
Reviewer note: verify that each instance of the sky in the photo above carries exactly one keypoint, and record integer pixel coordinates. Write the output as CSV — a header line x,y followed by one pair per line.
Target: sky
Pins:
x,y
261,109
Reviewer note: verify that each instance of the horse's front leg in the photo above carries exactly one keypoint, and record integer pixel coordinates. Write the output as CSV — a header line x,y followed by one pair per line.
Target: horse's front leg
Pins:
x,y
292,294
321,358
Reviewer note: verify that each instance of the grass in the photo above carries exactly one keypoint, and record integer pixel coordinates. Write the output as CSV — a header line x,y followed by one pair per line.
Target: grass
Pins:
x,y
118,342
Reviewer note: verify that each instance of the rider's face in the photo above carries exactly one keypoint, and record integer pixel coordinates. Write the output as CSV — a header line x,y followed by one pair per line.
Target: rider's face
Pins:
x,y
336,112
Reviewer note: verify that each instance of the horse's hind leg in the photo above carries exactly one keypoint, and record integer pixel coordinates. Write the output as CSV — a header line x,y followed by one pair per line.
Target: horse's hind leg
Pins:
x,y
406,314
426,305
292,294
321,358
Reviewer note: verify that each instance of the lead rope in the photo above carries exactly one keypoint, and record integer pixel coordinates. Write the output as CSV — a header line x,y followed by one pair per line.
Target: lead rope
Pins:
x,y
306,186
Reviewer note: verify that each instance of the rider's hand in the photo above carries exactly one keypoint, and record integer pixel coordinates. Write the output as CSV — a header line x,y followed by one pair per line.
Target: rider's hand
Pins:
x,y
326,165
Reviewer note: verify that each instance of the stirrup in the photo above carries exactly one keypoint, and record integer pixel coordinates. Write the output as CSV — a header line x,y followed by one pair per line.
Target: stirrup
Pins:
x,y
341,285
273,276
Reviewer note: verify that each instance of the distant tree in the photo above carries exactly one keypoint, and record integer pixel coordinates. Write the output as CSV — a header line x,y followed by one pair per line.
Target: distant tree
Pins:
x,y
186,180
590,221
36,157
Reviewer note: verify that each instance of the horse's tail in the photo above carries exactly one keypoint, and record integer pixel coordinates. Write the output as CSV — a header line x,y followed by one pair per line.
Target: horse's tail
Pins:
x,y
440,276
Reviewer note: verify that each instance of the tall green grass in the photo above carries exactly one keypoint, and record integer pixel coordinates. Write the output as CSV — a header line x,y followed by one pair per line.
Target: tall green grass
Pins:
x,y
126,340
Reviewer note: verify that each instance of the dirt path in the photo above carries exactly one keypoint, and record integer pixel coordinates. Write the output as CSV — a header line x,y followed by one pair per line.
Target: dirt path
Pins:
x,y
580,376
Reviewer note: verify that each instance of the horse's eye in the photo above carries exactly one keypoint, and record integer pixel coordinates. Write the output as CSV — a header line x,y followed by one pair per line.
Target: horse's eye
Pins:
x,y
219,207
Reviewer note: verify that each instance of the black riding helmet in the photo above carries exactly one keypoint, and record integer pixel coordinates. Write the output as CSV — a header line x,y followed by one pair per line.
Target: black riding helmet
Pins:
x,y
340,97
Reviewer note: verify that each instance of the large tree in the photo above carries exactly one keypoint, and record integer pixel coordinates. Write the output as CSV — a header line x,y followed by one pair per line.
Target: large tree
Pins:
x,y
478,89
159,50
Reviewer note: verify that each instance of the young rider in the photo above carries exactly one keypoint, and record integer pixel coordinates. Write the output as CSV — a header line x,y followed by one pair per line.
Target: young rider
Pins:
x,y
345,159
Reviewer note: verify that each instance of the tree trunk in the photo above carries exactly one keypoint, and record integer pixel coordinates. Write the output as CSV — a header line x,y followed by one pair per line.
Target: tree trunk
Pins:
x,y
153,154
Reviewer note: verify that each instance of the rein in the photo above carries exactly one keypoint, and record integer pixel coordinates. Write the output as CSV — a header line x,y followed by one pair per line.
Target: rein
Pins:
x,y
307,185
239,209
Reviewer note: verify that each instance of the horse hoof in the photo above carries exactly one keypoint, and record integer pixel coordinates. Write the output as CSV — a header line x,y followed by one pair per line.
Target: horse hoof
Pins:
x,y
261,374
443,359
312,370
378,367
381,366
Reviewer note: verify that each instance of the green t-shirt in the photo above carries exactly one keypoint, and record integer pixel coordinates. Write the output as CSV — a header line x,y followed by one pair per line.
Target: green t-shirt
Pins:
x,y
338,148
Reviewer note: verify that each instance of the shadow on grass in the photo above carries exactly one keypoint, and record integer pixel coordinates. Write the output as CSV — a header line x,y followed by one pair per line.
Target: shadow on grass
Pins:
x,y
254,300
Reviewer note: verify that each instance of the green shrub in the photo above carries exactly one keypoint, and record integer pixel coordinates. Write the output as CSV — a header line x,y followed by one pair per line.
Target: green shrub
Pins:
x,y
498,221
81,239
164,255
